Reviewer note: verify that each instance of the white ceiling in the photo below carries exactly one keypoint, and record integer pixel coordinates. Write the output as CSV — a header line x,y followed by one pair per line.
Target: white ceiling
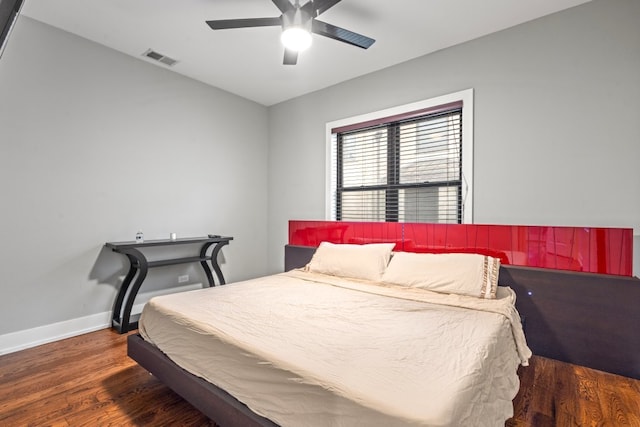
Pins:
x,y
248,62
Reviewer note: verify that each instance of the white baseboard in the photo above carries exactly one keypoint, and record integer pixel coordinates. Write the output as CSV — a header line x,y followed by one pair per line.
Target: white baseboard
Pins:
x,y
21,340
16,341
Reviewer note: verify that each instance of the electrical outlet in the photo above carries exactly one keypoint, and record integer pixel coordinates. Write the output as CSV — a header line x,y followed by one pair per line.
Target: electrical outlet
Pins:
x,y
183,279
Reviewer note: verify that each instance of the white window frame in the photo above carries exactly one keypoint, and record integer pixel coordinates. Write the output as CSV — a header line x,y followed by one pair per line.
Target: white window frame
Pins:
x,y
466,96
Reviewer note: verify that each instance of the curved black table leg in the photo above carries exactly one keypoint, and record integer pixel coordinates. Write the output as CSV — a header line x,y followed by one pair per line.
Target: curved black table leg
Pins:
x,y
205,266
138,262
121,317
214,260
117,305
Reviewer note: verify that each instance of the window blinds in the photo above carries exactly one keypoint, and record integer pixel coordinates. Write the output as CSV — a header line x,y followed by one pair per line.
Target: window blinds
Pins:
x,y
406,170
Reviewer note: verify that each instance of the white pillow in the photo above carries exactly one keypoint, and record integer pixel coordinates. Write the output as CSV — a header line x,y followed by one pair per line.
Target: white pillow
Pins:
x,y
466,274
366,262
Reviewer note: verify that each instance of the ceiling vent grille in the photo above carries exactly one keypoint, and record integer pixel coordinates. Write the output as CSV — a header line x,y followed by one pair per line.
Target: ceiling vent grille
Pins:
x,y
150,53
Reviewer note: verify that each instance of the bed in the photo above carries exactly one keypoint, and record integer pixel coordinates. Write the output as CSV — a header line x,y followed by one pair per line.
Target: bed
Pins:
x,y
257,373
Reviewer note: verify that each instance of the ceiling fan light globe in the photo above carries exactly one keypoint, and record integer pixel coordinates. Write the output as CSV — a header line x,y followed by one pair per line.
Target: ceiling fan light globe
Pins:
x,y
296,39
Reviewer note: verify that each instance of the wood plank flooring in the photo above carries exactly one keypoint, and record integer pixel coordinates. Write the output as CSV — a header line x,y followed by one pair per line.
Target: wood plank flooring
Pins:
x,y
89,381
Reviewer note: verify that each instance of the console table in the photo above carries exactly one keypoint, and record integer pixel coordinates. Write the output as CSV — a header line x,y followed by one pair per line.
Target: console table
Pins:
x,y
121,319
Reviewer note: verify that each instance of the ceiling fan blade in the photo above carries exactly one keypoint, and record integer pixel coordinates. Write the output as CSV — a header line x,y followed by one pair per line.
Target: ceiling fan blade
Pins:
x,y
223,24
283,5
340,34
290,57
316,7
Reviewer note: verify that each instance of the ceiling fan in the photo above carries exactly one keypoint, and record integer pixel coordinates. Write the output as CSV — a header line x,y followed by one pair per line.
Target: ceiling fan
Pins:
x,y
298,22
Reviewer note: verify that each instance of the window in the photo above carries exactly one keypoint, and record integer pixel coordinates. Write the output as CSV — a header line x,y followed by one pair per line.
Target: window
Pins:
x,y
406,164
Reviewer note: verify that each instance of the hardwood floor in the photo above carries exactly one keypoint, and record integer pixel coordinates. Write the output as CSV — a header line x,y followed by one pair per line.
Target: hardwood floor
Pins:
x,y
89,381
554,393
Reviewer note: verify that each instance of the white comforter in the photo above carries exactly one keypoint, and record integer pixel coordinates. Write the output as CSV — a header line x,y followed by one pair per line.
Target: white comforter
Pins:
x,y
305,349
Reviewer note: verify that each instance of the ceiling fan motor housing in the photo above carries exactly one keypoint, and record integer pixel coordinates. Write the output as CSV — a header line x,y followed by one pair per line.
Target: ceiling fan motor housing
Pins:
x,y
297,18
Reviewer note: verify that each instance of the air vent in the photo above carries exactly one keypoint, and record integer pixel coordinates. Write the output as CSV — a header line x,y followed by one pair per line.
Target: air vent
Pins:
x,y
150,53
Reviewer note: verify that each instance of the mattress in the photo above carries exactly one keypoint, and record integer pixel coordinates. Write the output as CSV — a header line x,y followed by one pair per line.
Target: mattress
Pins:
x,y
306,349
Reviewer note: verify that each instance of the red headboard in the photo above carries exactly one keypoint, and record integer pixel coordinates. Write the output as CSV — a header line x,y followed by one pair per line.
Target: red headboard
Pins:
x,y
587,249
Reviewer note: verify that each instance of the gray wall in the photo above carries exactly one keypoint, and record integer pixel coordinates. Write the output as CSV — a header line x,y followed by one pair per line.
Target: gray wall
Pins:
x,y
95,145
556,123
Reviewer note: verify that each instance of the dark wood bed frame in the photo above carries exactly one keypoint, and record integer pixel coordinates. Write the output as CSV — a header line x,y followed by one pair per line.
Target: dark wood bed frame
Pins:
x,y
586,319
